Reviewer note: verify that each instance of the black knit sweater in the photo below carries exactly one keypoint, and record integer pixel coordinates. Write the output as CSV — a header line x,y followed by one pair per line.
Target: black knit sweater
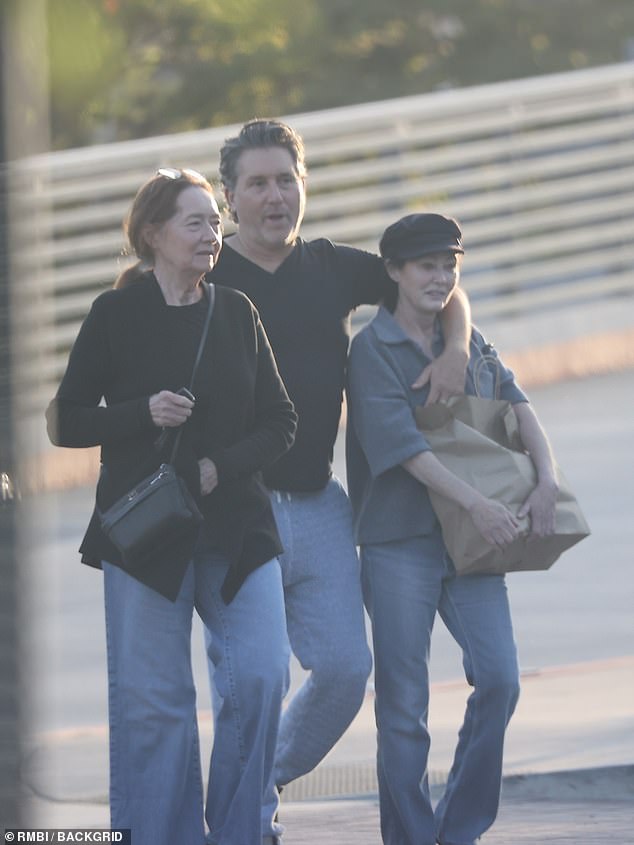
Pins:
x,y
131,346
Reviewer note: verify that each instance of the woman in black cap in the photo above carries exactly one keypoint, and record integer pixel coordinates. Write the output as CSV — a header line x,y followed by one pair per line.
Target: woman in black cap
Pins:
x,y
408,576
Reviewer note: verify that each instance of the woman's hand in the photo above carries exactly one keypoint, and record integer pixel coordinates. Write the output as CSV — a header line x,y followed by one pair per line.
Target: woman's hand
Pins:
x,y
494,521
208,476
169,410
540,508
445,375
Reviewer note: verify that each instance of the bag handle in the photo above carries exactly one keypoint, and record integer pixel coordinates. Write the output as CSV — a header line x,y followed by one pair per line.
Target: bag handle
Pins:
x,y
211,293
490,361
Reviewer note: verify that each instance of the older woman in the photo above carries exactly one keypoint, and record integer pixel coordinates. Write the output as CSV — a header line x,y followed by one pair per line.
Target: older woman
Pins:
x,y
407,574
122,391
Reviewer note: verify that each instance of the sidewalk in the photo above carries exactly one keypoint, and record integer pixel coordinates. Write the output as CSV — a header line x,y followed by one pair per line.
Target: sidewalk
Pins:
x,y
569,772
549,816
553,817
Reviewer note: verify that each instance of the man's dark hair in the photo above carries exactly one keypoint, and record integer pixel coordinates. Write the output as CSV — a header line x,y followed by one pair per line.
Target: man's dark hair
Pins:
x,y
260,134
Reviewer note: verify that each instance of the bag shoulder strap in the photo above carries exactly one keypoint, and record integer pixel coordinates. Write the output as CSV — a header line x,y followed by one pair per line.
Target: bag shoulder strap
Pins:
x,y
211,295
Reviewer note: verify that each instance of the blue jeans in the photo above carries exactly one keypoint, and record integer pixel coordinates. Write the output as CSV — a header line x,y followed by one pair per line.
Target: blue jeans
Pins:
x,y
406,582
155,770
325,621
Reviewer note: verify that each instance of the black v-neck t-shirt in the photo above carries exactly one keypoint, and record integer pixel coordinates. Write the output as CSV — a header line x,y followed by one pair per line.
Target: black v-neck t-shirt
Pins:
x,y
305,308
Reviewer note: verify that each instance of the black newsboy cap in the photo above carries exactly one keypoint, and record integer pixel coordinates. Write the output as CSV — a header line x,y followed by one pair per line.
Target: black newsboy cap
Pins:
x,y
420,234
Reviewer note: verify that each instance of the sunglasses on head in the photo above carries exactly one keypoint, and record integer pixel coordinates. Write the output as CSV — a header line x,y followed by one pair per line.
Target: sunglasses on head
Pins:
x,y
174,173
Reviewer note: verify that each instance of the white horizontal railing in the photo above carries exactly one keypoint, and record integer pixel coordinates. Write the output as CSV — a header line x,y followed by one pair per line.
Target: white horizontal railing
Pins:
x,y
540,172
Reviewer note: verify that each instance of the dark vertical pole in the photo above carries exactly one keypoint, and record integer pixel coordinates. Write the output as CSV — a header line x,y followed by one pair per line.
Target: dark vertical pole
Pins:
x,y
10,813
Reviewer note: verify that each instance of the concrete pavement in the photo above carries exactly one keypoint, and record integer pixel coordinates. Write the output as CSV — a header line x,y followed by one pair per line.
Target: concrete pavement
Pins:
x,y
548,820
521,821
568,775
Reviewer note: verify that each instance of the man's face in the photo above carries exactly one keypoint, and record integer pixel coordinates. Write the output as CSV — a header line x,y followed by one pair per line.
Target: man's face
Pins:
x,y
268,198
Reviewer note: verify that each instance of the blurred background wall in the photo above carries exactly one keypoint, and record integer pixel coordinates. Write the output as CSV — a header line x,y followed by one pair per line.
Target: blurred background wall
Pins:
x,y
516,116
23,132
539,171
9,669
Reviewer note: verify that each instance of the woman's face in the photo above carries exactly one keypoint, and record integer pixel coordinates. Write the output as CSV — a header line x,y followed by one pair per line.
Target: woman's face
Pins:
x,y
425,284
188,244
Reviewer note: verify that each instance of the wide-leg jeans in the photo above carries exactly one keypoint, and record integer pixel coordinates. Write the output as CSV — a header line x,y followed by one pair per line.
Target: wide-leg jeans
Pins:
x,y
155,769
406,582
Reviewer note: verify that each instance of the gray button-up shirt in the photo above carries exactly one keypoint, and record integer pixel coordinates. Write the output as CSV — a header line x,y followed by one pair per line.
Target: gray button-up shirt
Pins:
x,y
388,502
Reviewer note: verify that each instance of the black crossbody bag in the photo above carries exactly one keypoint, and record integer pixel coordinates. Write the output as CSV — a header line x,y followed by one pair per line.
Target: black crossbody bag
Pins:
x,y
160,508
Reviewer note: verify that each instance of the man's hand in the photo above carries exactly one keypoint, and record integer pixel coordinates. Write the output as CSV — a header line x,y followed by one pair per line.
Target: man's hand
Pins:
x,y
208,476
445,375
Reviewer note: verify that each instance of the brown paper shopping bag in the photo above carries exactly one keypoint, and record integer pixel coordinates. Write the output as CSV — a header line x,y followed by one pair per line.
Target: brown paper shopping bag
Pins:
x,y
478,440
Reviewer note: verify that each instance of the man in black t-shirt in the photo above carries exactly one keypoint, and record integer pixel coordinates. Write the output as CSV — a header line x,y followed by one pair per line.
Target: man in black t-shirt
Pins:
x,y
305,292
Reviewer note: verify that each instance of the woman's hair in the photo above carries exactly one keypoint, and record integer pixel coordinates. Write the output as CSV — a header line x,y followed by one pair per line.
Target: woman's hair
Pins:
x,y
390,295
154,204
256,135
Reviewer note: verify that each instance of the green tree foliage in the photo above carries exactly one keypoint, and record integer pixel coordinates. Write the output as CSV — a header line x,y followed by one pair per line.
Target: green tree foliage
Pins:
x,y
130,68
